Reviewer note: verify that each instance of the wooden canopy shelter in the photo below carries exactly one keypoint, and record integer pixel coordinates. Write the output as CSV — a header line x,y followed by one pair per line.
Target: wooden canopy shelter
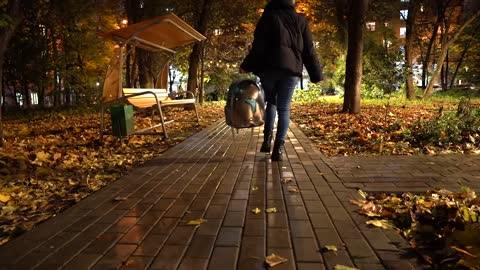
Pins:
x,y
165,34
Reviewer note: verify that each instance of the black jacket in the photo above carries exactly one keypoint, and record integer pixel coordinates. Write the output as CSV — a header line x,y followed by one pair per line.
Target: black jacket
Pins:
x,y
282,42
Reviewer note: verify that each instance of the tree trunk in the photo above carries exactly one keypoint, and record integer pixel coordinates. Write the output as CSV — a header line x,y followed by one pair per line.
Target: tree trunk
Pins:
x,y
144,72
354,62
426,61
194,58
15,12
201,93
413,7
429,90
460,62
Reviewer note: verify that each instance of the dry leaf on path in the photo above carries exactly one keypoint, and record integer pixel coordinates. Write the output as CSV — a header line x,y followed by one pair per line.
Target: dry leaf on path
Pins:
x,y
331,248
254,188
385,224
286,180
344,267
256,210
273,260
271,210
293,190
196,221
119,199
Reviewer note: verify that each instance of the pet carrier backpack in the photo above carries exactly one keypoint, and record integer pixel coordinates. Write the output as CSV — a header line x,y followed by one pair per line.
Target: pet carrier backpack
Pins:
x,y
245,105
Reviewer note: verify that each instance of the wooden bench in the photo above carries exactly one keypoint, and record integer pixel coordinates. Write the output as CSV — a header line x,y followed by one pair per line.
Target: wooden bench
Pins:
x,y
157,98
144,98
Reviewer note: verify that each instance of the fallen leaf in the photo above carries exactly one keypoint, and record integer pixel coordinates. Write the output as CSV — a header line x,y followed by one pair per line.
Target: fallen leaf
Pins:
x,y
118,199
286,180
293,190
4,198
385,224
256,210
344,267
331,248
254,188
362,193
273,260
271,210
196,221
464,252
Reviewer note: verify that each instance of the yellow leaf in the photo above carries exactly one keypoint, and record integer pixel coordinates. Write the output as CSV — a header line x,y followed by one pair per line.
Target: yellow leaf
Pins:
x,y
358,202
4,198
293,190
254,188
273,260
391,114
343,267
331,248
362,193
196,221
256,210
286,180
271,210
464,251
118,199
385,224
71,182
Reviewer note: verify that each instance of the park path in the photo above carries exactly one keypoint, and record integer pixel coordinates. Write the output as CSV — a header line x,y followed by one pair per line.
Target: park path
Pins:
x,y
140,221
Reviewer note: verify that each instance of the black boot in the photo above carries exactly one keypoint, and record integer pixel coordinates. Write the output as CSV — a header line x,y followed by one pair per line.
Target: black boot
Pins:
x,y
277,151
267,142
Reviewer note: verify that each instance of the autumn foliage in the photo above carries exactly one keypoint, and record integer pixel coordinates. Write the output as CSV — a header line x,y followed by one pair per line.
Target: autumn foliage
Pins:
x,y
54,160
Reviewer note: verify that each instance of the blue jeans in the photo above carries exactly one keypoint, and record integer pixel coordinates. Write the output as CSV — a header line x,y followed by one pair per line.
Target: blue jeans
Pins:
x,y
278,96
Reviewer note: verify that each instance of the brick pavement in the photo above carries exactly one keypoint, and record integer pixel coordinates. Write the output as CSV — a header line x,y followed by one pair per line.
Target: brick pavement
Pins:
x,y
211,176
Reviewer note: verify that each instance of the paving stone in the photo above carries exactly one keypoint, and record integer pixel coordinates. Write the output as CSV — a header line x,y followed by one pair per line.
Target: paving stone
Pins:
x,y
234,219
297,213
340,257
320,221
311,266
252,252
169,257
315,206
211,227
278,238
82,261
137,262
255,227
151,245
237,206
326,237
277,220
301,228
224,258
306,250
115,257
103,243
164,226
201,247
229,237
189,263
181,235
135,235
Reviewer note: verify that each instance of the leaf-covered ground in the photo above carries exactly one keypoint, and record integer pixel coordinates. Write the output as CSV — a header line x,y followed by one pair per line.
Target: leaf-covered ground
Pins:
x,y
53,160
387,130
442,226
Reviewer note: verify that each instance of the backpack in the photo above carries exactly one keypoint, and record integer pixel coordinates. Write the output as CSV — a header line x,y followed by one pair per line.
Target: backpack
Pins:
x,y
245,105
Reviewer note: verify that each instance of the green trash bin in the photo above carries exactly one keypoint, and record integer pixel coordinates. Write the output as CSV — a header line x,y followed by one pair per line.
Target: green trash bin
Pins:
x,y
122,120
